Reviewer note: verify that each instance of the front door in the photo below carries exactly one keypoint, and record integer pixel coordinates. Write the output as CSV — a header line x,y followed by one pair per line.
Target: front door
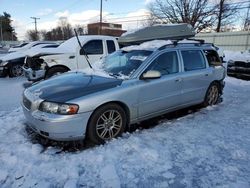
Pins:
x,y
94,50
159,95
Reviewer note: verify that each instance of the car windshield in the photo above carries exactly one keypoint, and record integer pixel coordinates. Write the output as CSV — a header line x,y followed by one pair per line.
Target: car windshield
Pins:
x,y
124,63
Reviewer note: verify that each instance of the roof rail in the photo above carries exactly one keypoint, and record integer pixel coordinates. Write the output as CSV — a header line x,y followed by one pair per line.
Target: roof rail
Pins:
x,y
176,42
197,40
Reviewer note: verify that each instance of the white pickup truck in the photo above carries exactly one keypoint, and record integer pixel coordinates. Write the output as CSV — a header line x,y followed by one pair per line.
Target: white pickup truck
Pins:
x,y
69,56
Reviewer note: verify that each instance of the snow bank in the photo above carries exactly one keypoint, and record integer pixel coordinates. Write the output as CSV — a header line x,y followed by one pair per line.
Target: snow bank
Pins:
x,y
237,56
10,93
209,148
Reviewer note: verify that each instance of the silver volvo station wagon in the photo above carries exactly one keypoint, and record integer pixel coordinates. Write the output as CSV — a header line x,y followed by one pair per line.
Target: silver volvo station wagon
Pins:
x,y
142,83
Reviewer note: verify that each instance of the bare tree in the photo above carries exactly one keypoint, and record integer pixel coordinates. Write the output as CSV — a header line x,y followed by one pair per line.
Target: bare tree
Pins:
x,y
32,35
246,24
43,34
197,13
81,29
67,31
225,12
151,20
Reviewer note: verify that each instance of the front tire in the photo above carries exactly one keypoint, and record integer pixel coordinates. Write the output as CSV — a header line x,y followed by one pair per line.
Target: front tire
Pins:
x,y
15,70
107,122
212,95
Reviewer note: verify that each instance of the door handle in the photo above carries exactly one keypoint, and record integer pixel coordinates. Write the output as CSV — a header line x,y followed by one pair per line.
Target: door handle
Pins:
x,y
178,80
206,74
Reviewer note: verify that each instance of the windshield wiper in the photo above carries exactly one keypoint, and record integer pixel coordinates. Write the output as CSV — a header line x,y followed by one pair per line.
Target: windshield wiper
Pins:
x,y
85,54
115,75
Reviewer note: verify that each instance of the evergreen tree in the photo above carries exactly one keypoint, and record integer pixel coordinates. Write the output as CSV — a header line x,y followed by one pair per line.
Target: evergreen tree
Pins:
x,y
7,32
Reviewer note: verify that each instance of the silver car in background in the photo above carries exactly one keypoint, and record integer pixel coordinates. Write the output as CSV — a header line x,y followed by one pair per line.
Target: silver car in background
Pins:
x,y
142,83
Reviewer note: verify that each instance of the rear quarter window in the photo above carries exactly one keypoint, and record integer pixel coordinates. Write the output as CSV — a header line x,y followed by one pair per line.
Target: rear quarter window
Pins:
x,y
212,58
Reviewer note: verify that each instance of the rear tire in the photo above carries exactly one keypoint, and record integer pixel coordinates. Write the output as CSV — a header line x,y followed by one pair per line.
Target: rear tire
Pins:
x,y
55,71
15,70
107,122
212,95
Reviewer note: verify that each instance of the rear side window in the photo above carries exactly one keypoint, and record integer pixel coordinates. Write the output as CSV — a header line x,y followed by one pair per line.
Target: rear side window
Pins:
x,y
51,46
212,57
166,63
36,44
193,60
93,47
111,46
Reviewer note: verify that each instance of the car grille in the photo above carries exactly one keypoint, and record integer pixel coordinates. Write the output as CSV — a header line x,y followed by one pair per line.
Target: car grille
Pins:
x,y
241,64
27,103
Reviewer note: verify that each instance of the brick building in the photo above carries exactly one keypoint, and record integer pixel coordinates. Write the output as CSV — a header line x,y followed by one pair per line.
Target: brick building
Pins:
x,y
107,29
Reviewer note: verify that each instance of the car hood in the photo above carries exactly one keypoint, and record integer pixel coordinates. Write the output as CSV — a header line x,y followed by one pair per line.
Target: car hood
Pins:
x,y
72,85
48,51
12,56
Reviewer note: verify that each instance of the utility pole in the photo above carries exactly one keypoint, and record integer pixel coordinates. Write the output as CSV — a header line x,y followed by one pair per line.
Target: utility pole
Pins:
x,y
1,31
35,18
100,27
247,20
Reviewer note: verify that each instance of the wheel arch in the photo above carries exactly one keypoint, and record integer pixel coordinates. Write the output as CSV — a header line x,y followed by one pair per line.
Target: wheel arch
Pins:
x,y
56,66
121,104
217,82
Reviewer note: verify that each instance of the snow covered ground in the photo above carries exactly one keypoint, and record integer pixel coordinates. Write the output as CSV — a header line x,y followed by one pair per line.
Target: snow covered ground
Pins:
x,y
10,93
209,148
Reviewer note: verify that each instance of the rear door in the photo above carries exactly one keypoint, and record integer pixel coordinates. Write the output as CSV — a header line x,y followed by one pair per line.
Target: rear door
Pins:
x,y
196,76
158,95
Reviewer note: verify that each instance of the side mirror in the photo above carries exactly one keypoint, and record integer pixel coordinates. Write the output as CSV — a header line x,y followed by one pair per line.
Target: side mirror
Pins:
x,y
152,74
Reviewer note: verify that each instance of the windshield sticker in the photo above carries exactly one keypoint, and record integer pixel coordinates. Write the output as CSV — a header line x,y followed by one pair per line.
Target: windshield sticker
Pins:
x,y
140,58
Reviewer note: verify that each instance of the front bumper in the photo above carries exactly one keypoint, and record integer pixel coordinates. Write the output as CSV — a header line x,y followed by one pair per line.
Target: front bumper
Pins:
x,y
240,72
57,127
34,75
4,71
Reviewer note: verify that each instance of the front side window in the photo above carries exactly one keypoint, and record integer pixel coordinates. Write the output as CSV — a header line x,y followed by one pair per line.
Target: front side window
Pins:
x,y
166,63
93,47
193,60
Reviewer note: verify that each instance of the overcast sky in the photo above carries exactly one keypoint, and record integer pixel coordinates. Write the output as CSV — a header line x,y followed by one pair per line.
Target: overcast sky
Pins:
x,y
130,12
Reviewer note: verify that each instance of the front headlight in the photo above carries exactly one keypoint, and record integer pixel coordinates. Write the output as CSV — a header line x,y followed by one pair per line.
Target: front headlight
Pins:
x,y
231,62
4,63
57,108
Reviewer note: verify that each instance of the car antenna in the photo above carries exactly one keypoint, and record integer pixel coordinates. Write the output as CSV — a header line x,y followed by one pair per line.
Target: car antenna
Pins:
x,y
85,55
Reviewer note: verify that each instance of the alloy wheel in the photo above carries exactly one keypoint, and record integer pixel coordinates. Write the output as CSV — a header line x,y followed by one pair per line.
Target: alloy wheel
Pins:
x,y
213,95
109,124
17,70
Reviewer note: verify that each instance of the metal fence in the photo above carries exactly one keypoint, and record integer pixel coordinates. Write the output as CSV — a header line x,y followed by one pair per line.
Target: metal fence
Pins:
x,y
9,43
235,41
